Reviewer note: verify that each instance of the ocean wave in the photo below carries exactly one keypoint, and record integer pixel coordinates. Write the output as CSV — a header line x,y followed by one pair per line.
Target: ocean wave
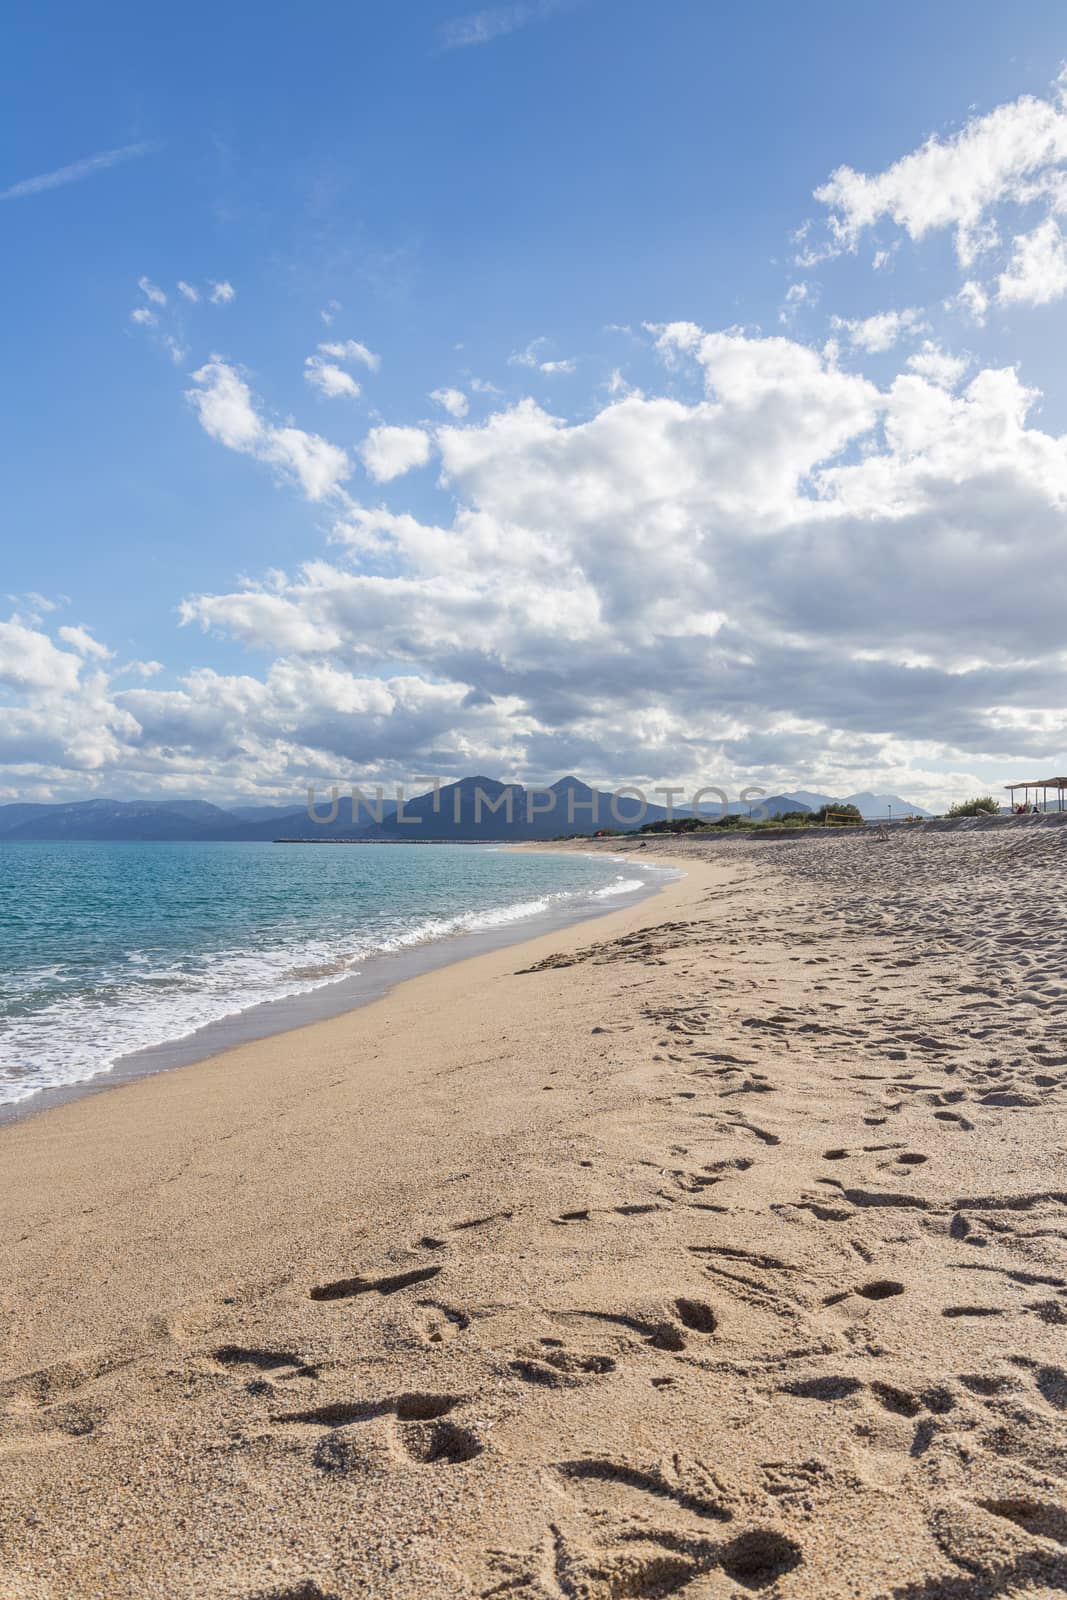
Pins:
x,y
82,1033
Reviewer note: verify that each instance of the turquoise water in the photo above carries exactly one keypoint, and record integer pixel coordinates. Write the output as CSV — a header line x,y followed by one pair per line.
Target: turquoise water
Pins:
x,y
109,949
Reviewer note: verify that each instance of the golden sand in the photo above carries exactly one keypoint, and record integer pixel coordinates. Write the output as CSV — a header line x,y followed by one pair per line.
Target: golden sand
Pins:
x,y
713,1248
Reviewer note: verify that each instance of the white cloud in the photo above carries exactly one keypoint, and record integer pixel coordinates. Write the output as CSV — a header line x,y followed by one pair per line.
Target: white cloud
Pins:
x,y
75,171
143,669
930,361
617,385
881,331
144,317
454,401
387,452
189,291
795,296
1037,271
329,379
324,374
351,350
531,357
972,300
81,640
848,583
329,311
954,182
152,291
481,27
222,293
223,403
29,660
319,466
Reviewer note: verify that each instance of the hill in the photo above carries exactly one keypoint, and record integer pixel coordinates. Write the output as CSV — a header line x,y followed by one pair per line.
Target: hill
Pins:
x,y
474,808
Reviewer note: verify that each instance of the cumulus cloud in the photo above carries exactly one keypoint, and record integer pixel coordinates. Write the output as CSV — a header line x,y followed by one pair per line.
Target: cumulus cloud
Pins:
x,y
796,295
349,350
955,182
799,577
973,301
223,403
330,379
152,291
792,576
531,357
325,372
81,640
188,291
880,331
454,401
387,452
222,293
930,361
846,600
1037,271
30,660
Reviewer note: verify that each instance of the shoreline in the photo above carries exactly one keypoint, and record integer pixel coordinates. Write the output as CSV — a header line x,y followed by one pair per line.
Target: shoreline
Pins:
x,y
714,1247
379,974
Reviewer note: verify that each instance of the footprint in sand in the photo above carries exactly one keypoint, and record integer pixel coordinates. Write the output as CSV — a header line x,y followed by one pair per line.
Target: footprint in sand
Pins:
x,y
419,1431
556,1368
481,1222
973,1311
439,1324
880,1289
277,1364
614,1485
650,1561
346,1288
1032,1516
306,1590
49,1384
695,1316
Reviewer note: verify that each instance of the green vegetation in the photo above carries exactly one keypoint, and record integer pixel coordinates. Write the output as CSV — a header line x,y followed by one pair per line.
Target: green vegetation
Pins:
x,y
676,825
836,813
832,816
982,805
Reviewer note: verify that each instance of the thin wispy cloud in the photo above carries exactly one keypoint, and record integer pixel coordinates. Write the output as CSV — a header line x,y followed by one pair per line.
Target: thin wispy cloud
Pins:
x,y
76,171
481,27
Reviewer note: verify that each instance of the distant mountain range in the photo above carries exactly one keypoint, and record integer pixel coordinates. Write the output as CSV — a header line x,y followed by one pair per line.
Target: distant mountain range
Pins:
x,y
867,804
474,808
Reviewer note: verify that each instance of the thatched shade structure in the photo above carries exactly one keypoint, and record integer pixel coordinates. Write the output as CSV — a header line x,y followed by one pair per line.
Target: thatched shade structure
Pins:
x,y
1057,785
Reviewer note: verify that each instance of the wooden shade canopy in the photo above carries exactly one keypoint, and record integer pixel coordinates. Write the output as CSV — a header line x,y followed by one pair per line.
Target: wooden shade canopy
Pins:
x,y
1057,785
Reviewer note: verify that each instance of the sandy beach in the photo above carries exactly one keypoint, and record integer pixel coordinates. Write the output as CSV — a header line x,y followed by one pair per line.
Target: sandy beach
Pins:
x,y
715,1247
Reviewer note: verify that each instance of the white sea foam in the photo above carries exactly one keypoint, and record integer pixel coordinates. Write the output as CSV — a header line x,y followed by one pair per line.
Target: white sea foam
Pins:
x,y
78,1036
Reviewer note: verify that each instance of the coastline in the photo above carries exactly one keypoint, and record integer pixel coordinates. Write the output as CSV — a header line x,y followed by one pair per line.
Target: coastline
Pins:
x,y
378,974
713,1246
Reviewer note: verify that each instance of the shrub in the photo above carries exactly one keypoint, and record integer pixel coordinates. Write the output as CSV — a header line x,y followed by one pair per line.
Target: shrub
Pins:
x,y
839,812
983,805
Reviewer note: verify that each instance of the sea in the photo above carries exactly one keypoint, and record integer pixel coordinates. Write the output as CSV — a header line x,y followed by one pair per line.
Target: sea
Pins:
x,y
123,958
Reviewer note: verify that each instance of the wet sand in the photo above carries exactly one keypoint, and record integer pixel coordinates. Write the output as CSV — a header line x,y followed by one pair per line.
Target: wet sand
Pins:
x,y
714,1248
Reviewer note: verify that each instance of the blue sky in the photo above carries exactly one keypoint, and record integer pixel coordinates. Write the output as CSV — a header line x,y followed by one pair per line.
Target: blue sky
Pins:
x,y
514,204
